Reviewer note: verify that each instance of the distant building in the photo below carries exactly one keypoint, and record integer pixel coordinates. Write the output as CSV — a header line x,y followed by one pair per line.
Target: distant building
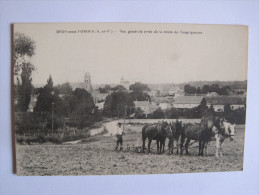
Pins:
x,y
99,97
212,94
100,105
219,102
175,91
146,106
164,102
162,99
164,92
188,101
153,93
165,105
87,82
239,91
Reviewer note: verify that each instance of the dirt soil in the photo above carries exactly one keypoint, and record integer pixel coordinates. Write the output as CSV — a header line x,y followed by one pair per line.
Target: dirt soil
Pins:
x,y
96,156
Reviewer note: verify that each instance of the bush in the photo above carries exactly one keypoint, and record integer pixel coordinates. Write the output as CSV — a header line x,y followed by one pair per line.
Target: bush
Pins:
x,y
158,114
236,116
62,135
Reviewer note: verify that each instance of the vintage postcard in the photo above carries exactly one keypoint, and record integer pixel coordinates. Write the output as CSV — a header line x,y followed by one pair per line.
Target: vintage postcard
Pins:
x,y
128,98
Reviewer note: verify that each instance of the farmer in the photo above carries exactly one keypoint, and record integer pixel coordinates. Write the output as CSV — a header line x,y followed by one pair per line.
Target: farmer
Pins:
x,y
119,134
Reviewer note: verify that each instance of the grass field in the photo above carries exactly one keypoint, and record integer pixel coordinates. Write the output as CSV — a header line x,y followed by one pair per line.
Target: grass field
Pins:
x,y
96,156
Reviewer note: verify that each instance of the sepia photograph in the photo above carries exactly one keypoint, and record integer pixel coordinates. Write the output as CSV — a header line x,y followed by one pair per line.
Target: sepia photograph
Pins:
x,y
128,98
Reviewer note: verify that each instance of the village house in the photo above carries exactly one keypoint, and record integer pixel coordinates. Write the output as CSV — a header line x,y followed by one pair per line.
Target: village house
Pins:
x,y
146,106
188,101
212,94
153,93
164,102
99,97
165,105
100,105
219,102
175,91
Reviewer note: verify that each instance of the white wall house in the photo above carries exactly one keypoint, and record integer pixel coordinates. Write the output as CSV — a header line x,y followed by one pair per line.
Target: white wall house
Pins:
x,y
100,105
236,106
146,106
219,102
165,105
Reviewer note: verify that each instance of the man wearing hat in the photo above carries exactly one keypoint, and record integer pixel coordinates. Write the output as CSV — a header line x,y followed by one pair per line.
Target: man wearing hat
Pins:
x,y
119,134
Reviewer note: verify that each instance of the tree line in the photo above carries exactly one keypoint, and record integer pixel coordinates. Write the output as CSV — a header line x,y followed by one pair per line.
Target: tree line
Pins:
x,y
225,90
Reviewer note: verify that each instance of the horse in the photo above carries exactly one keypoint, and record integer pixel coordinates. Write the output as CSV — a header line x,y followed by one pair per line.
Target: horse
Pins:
x,y
173,133
198,132
154,132
225,130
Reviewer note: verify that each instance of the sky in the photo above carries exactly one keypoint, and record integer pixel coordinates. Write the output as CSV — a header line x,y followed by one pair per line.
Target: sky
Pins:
x,y
148,53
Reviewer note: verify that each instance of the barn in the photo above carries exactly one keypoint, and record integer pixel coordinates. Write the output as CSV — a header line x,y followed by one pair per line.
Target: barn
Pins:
x,y
146,106
188,101
219,102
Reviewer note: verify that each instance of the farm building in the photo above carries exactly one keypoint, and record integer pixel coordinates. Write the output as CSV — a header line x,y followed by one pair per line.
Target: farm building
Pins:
x,y
213,94
218,103
188,101
165,105
176,91
146,106
100,105
163,102
161,99
153,93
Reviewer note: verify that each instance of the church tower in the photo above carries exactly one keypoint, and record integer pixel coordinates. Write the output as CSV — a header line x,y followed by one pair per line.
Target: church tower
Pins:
x,y
87,82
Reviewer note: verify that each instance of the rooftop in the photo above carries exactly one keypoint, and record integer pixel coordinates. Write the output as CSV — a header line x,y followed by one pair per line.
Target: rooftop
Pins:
x,y
188,99
223,100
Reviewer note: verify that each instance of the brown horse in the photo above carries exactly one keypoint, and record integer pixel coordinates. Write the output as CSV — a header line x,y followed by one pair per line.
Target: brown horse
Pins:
x,y
199,132
173,133
154,132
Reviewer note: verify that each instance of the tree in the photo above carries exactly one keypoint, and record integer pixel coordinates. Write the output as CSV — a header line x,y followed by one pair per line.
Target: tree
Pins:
x,y
206,89
118,88
46,97
140,96
139,91
24,49
198,90
158,114
139,87
225,90
173,113
82,108
215,88
48,103
105,89
188,89
24,88
65,89
139,113
116,103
